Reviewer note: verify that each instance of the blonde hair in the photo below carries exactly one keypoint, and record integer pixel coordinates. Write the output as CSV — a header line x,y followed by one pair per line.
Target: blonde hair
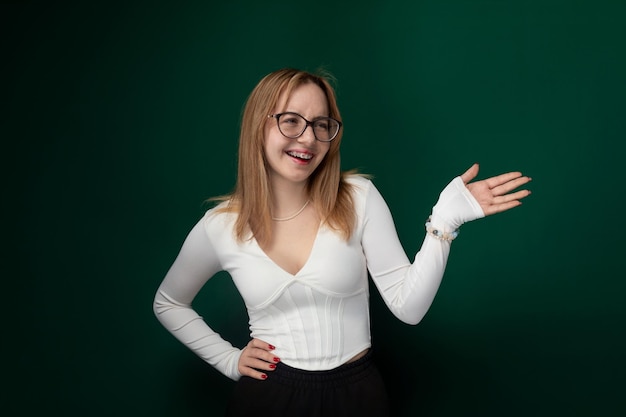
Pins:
x,y
327,186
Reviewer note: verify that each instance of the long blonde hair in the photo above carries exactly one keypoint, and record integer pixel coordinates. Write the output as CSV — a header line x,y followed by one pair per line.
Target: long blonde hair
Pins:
x,y
327,186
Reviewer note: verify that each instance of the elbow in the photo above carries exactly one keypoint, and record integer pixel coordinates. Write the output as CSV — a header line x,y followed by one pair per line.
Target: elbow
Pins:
x,y
412,321
155,308
165,307
410,318
160,304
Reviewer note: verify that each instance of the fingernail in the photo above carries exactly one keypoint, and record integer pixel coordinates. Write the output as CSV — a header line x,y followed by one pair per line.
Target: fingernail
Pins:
x,y
272,366
276,360
271,347
264,376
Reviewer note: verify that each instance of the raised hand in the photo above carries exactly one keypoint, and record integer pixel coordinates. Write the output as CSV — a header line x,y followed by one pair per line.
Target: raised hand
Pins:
x,y
494,194
257,357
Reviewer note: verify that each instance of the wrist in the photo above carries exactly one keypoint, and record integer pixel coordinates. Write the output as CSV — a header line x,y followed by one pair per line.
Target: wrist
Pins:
x,y
441,233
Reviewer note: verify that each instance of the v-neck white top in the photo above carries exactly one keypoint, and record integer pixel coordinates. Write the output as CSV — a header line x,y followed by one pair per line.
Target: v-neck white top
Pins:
x,y
318,318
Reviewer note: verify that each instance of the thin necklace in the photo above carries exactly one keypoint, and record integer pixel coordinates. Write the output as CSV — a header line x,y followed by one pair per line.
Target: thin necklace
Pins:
x,y
284,219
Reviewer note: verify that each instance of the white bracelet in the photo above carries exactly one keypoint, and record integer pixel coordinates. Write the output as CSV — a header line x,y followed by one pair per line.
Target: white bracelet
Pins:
x,y
439,234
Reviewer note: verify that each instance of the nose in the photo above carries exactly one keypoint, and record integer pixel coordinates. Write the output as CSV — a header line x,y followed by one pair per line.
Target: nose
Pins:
x,y
308,136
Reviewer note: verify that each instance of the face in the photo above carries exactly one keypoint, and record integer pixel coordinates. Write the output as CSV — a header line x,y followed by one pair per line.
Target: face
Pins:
x,y
294,160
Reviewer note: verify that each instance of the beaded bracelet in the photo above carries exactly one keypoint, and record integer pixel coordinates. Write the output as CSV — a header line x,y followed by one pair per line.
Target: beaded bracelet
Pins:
x,y
439,234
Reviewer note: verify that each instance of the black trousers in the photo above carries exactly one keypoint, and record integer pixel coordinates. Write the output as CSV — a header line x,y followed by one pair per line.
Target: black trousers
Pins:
x,y
353,389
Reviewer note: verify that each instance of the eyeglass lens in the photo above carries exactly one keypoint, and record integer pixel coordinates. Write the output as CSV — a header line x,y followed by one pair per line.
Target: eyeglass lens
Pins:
x,y
293,125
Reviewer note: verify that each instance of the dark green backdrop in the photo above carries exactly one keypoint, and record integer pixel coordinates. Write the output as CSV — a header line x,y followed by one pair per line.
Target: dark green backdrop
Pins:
x,y
119,121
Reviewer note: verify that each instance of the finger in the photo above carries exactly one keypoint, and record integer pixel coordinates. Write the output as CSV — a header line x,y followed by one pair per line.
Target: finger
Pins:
x,y
260,344
262,350
470,174
252,373
510,185
510,197
255,367
502,179
260,357
253,354
246,361
258,364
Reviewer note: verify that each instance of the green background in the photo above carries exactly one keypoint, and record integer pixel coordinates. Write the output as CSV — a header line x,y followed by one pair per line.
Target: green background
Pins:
x,y
118,121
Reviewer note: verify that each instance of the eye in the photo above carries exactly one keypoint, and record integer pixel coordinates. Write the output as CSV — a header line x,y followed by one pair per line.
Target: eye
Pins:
x,y
322,124
290,119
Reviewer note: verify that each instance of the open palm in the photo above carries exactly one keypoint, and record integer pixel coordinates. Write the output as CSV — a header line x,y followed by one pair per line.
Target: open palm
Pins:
x,y
495,194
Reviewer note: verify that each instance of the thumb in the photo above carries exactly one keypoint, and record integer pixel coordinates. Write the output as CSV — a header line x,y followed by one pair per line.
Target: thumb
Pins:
x,y
470,174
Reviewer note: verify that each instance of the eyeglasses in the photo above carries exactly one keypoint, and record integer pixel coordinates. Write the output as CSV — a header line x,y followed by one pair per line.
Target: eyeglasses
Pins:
x,y
292,125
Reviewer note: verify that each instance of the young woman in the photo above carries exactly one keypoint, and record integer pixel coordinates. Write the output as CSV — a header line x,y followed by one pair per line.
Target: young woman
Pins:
x,y
298,238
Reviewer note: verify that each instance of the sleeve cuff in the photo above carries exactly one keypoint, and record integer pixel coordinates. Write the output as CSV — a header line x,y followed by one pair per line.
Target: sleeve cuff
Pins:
x,y
456,206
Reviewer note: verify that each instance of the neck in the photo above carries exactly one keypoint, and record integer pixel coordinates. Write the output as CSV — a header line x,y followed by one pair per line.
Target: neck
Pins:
x,y
288,198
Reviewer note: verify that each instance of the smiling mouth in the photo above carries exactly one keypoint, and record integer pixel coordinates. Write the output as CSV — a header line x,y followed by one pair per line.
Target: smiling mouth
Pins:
x,y
300,155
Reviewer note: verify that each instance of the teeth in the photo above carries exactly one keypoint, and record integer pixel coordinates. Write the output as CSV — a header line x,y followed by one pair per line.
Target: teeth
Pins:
x,y
300,155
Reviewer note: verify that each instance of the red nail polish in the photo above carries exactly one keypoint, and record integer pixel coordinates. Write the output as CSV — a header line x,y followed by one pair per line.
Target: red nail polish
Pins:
x,y
276,360
264,376
272,366
271,347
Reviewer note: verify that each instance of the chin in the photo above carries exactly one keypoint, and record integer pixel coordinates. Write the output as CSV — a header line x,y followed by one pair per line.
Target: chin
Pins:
x,y
299,177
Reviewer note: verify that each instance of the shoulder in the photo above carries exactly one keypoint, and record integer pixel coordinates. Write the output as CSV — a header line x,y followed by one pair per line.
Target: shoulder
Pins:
x,y
360,184
363,192
219,218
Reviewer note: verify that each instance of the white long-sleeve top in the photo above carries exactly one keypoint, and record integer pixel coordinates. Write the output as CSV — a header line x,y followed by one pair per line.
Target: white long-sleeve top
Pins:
x,y
318,318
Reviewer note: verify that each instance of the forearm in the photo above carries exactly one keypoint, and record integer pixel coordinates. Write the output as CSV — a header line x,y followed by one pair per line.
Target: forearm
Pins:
x,y
195,264
188,327
410,288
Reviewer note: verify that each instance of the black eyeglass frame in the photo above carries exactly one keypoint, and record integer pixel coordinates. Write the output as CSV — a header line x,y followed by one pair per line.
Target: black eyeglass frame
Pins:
x,y
308,123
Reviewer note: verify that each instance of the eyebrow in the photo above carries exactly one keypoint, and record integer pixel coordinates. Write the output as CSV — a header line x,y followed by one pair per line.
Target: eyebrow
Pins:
x,y
298,113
